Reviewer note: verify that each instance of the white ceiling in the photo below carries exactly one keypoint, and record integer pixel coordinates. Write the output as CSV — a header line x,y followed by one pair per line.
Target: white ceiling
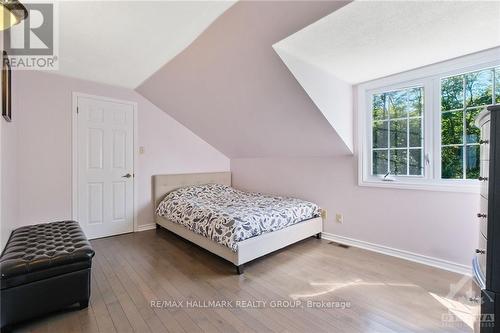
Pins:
x,y
123,42
366,40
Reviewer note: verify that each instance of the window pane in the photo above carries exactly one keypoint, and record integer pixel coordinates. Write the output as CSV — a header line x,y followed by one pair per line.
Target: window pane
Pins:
x,y
478,88
396,126
452,128
497,84
399,135
416,166
472,132
379,109
452,162
415,102
416,132
452,94
396,102
380,162
472,161
380,129
398,162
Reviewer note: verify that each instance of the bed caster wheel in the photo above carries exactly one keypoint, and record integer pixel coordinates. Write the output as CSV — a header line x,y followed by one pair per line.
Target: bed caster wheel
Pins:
x,y
239,269
318,235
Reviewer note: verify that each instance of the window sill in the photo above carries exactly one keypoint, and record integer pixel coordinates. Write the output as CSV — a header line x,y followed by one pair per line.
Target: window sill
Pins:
x,y
426,185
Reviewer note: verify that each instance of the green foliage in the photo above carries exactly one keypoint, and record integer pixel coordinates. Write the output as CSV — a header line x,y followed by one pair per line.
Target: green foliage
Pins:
x,y
479,88
379,109
452,130
497,85
472,162
451,162
467,94
398,161
452,94
380,162
400,114
415,162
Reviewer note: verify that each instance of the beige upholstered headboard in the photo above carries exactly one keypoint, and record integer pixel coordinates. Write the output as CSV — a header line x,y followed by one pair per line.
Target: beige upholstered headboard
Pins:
x,y
163,184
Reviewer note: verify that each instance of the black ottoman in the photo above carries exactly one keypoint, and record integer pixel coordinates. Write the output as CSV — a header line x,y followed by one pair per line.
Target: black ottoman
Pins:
x,y
44,268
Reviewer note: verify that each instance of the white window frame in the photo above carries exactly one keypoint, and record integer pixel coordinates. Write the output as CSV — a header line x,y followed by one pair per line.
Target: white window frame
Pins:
x,y
430,78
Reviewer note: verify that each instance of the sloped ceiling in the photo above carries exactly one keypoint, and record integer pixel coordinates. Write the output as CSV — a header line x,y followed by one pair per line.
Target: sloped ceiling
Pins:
x,y
333,97
123,42
231,88
366,40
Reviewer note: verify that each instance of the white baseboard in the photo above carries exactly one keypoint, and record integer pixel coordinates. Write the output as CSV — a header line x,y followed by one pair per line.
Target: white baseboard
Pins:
x,y
145,227
415,257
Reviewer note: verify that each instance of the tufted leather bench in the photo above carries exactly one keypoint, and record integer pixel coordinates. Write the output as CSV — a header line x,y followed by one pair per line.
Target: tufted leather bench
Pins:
x,y
44,268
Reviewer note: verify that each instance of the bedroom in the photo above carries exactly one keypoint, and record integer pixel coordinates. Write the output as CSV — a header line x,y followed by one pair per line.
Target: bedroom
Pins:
x,y
362,124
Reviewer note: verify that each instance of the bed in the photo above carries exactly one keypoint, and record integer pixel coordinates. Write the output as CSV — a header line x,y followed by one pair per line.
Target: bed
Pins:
x,y
247,240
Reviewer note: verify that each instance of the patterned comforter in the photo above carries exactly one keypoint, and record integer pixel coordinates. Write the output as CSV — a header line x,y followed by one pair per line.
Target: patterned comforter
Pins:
x,y
228,216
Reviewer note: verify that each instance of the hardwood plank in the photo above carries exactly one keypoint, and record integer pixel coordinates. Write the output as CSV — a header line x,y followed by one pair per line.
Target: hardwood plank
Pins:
x,y
131,312
101,313
143,308
385,294
115,310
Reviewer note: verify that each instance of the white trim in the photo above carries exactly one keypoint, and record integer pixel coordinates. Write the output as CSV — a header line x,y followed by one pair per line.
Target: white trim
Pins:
x,y
145,227
74,150
429,76
402,254
468,63
74,157
136,155
427,185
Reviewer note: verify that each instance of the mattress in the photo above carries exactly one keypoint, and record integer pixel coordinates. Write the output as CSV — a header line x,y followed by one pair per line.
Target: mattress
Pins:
x,y
228,216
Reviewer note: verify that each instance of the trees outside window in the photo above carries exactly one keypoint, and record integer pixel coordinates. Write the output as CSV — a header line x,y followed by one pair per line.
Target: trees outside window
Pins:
x,y
406,132
463,97
398,132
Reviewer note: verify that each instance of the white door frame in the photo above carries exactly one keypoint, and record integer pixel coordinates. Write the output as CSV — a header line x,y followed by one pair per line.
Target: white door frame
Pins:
x,y
74,148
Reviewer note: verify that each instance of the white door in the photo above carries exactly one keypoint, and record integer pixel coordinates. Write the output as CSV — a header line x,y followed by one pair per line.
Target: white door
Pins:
x,y
105,167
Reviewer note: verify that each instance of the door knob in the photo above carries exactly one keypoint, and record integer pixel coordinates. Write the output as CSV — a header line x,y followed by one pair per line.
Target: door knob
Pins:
x,y
128,175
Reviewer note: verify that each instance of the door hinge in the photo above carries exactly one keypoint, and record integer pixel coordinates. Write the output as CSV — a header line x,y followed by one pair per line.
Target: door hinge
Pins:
x,y
77,110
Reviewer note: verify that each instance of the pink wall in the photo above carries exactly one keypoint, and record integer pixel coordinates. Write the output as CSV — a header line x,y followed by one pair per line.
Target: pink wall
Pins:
x,y
8,175
38,155
8,172
9,189
435,224
232,89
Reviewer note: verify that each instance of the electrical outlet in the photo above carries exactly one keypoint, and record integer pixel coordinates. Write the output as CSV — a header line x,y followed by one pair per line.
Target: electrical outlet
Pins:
x,y
324,214
339,218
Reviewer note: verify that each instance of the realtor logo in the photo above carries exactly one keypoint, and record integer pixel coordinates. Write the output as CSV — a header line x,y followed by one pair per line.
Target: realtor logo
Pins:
x,y
33,43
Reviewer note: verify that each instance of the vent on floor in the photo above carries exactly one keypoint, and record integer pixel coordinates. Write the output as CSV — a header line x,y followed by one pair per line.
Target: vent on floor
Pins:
x,y
339,245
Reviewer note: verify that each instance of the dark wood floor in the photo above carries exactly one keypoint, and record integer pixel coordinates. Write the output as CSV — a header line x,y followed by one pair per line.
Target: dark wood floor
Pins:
x,y
374,293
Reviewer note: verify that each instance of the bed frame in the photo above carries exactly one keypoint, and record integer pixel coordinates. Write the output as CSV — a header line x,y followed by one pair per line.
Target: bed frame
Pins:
x,y
248,249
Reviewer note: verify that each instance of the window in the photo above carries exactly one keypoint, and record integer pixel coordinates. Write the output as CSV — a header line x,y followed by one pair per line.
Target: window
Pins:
x,y
419,129
397,132
462,99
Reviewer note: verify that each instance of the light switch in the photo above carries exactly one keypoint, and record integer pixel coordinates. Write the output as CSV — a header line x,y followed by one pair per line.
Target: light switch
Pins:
x,y
141,150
